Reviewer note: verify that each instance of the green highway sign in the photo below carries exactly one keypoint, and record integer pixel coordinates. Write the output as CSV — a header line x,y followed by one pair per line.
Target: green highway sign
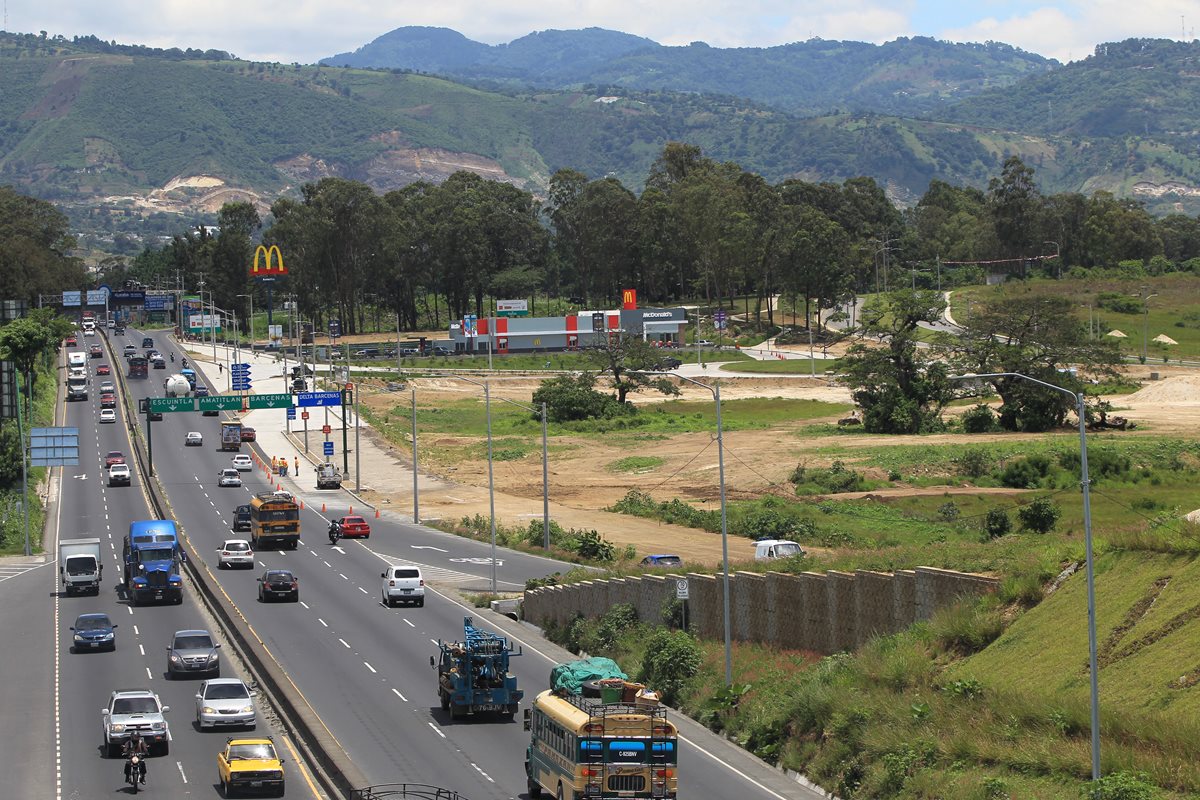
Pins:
x,y
159,404
218,402
270,400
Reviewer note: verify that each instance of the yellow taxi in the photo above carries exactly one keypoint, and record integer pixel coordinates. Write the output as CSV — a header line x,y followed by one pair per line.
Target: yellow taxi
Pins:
x,y
250,764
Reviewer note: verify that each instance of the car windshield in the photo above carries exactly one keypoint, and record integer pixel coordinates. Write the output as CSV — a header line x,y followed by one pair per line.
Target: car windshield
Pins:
x,y
155,554
92,624
226,691
787,549
135,705
279,577
667,561
229,473
81,565
116,454
262,752
193,642
117,469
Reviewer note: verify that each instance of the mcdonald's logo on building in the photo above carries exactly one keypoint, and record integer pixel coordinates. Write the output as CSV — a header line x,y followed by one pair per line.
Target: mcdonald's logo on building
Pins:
x,y
272,267
629,299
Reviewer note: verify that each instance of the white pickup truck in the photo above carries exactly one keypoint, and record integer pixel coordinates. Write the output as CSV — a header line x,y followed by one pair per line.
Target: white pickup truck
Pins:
x,y
79,565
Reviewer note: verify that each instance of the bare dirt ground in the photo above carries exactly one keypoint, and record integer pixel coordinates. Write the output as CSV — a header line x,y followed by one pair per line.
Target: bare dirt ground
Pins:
x,y
583,483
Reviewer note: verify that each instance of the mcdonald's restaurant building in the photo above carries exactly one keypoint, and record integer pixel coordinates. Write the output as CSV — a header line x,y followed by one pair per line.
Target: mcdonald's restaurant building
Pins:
x,y
572,332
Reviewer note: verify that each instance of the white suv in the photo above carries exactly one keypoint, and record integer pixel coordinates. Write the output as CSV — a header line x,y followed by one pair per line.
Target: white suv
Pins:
x,y
235,553
403,583
118,475
135,709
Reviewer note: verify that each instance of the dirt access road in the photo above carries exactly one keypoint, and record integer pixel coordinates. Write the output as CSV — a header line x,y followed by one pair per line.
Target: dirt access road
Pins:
x,y
758,462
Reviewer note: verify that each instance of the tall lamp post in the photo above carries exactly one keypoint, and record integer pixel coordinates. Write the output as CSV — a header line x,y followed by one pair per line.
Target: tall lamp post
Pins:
x,y
1146,321
1087,534
716,393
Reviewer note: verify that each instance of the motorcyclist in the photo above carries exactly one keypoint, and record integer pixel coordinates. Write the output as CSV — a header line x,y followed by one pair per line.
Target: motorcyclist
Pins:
x,y
136,746
185,363
335,532
172,358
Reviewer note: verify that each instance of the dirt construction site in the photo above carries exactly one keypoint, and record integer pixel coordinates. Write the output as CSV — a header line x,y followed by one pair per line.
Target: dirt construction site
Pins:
x,y
583,481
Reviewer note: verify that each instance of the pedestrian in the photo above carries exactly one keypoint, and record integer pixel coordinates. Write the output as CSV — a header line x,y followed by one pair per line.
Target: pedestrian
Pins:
x,y
274,464
220,368
297,461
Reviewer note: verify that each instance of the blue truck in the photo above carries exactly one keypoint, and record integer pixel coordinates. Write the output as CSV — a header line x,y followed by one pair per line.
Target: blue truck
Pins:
x,y
473,674
151,556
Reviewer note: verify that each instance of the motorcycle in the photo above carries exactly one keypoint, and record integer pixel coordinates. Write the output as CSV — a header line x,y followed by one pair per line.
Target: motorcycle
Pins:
x,y
335,533
135,772
172,358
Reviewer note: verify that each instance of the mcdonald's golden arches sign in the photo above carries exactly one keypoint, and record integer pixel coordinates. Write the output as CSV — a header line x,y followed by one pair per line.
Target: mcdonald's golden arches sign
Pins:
x,y
272,266
629,299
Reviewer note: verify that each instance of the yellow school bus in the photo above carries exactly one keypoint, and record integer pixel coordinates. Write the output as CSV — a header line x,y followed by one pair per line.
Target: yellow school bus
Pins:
x,y
582,747
275,520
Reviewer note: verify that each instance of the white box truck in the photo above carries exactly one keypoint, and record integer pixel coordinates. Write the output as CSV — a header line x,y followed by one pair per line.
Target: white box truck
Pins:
x,y
79,565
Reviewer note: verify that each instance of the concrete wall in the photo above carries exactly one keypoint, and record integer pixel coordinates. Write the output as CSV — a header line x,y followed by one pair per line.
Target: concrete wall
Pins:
x,y
810,611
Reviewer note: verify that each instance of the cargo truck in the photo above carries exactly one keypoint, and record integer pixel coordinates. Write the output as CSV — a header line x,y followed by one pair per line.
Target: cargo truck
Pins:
x,y
328,476
79,565
231,436
473,674
151,555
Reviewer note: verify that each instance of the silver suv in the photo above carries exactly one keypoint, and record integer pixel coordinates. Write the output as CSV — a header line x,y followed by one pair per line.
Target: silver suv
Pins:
x,y
193,652
135,709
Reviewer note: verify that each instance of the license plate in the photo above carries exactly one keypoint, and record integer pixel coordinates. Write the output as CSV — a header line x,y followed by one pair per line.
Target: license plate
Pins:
x,y
256,783
158,595
406,591
487,707
95,644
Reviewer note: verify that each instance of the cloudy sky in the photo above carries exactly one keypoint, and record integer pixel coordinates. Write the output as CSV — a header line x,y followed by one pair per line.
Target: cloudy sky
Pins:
x,y
307,30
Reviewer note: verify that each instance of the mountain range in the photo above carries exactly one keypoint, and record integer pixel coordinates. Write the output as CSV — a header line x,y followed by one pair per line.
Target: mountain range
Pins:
x,y
135,141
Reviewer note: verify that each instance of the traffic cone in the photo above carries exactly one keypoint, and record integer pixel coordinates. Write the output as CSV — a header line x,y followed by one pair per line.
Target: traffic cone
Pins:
x,y
377,513
301,505
351,511
322,508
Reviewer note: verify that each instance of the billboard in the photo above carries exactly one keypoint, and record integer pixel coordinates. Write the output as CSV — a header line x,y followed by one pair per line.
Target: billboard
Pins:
x,y
205,322
272,266
97,297
512,308
158,302
629,299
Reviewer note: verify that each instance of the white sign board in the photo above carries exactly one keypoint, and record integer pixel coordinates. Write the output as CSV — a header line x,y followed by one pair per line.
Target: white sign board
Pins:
x,y
275,332
509,306
681,589
205,321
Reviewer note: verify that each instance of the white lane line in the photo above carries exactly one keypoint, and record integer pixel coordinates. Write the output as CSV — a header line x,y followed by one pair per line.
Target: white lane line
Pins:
x,y
402,697
436,730
181,773
367,664
261,564
57,717
130,610
329,565
481,772
304,604
314,552
343,576
361,589
141,650
409,624
323,622
282,552
435,641
149,674
343,641
136,632
112,545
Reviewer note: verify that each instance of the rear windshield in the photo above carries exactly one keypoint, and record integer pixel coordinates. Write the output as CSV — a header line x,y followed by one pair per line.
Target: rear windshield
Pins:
x,y
196,642
408,573
279,577
237,546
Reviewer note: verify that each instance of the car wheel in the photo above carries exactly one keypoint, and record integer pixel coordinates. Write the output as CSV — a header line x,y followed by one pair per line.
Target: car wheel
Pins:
x,y
109,750
420,604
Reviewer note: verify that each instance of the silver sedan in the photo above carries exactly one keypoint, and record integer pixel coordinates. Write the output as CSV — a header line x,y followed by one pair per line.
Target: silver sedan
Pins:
x,y
225,702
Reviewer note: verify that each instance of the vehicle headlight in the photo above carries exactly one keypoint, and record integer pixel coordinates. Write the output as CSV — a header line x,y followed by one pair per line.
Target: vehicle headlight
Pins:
x,y
158,726
116,727
247,709
108,637
79,638
175,580
208,710
174,659
213,656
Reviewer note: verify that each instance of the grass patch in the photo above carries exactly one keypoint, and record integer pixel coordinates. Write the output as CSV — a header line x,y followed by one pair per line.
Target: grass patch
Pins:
x,y
791,366
635,464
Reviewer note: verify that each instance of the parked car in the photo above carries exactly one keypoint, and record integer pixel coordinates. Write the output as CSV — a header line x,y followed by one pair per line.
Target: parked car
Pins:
x,y
191,652
193,439
355,527
114,457
135,709
662,561
768,549
666,363
276,584
229,478
403,583
225,702
104,369
119,475
93,632
367,352
235,553
241,518
108,416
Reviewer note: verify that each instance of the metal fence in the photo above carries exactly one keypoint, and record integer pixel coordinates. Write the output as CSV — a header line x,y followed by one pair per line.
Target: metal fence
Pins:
x,y
418,791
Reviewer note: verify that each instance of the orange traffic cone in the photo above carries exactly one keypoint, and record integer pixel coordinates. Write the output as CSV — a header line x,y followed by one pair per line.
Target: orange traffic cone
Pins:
x,y
301,505
377,513
351,511
322,508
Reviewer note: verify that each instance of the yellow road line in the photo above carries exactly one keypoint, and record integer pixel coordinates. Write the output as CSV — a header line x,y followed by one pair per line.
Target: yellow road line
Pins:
x,y
300,765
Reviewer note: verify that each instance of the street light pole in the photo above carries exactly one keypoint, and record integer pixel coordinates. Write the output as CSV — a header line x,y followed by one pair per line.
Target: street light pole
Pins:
x,y
1085,482
487,401
416,500
545,485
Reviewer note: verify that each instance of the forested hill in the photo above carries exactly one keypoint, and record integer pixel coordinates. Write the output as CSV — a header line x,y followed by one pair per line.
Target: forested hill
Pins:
x,y
905,77
1138,87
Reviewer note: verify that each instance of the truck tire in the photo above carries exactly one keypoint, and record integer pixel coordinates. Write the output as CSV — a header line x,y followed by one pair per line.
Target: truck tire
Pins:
x,y
444,699
509,711
535,788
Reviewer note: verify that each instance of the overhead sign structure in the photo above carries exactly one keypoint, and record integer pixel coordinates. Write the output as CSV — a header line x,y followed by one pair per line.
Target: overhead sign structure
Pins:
x,y
283,400
272,266
159,405
128,297
97,297
328,448
304,399
158,302
54,447
219,402
72,298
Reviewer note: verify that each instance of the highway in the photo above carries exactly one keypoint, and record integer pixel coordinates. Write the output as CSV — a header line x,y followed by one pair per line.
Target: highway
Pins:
x,y
363,667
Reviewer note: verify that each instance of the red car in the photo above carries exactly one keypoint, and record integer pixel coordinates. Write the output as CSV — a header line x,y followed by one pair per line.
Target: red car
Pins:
x,y
108,401
72,341
247,434
103,369
354,527
114,457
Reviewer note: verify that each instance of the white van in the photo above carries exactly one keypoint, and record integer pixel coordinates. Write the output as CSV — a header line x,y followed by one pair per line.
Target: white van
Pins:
x,y
77,359
403,583
767,549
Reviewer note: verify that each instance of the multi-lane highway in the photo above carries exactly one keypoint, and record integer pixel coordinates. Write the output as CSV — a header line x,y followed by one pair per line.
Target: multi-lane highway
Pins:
x,y
363,667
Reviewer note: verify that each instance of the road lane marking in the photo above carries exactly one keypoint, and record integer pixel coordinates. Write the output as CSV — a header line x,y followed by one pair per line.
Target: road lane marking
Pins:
x,y
409,624
435,641
368,666
141,650
181,773
402,697
481,772
312,787
136,632
343,641
314,552
436,730
261,564
130,610
323,622
149,674
361,589
343,576
57,717
329,565
304,604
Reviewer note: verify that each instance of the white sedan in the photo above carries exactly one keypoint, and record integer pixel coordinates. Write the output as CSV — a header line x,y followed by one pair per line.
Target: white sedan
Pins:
x,y
225,701
194,439
235,553
108,415
229,477
242,463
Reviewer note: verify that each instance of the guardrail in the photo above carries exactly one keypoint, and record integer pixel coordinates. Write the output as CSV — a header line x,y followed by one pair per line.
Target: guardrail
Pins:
x,y
418,791
330,763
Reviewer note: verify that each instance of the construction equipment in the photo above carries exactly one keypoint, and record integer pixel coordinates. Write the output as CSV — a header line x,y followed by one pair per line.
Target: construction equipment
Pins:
x,y
328,476
473,674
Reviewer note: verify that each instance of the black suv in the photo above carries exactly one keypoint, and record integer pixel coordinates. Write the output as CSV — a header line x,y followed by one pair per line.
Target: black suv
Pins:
x,y
668,362
241,518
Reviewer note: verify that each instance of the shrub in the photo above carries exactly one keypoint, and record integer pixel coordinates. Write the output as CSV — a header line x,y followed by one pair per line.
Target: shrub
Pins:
x,y
995,788
593,547
838,478
948,511
1026,473
616,621
672,658
1121,786
975,462
980,419
1040,516
1102,463
997,523
1119,303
